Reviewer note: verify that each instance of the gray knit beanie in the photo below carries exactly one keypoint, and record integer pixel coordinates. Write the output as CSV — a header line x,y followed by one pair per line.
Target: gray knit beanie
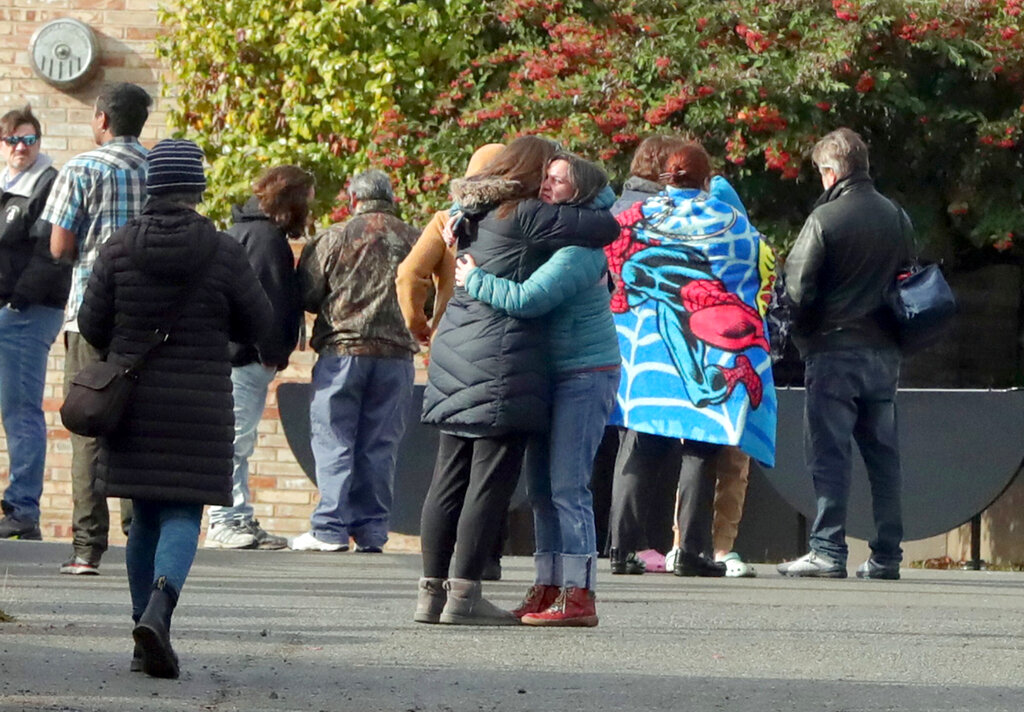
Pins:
x,y
175,166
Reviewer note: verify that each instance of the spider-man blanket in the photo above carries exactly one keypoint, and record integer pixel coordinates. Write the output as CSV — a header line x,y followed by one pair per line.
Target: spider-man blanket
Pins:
x,y
693,282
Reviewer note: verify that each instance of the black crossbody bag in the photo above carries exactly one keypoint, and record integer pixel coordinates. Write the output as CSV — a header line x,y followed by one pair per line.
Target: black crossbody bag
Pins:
x,y
99,394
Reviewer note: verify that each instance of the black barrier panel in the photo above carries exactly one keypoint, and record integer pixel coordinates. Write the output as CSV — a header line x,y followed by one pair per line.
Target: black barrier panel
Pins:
x,y
416,454
959,450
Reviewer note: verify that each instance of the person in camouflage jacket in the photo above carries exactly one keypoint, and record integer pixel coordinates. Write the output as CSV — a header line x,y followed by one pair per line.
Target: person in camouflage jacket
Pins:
x,y
363,377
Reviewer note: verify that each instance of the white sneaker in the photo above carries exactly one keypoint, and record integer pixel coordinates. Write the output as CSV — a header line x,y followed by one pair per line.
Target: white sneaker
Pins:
x,y
229,535
812,564
670,558
308,542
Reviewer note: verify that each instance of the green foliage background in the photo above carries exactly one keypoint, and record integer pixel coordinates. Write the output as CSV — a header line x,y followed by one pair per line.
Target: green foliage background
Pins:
x,y
935,86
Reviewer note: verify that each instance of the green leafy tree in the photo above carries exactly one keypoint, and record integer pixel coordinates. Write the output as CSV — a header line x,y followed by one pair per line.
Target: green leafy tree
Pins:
x,y
936,87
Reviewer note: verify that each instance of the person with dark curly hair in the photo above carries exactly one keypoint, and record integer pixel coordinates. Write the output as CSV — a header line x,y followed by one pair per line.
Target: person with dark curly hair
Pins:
x,y
277,210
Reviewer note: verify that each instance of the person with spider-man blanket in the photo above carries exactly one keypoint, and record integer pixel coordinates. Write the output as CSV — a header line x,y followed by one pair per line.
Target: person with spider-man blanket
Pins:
x,y
693,282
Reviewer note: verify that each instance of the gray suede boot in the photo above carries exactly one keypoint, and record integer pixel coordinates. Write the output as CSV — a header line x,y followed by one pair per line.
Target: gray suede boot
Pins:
x,y
430,600
466,606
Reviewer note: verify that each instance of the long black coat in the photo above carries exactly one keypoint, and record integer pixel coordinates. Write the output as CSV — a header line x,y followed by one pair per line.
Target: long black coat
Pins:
x,y
488,372
176,441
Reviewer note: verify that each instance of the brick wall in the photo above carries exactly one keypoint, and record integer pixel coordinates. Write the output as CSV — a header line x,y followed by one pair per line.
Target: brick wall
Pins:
x,y
125,30
282,495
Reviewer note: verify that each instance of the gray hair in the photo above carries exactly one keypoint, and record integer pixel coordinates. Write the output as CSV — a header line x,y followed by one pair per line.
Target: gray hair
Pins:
x,y
843,150
371,185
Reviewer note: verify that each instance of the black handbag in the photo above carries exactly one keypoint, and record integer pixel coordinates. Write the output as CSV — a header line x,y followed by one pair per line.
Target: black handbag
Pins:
x,y
99,394
97,398
923,304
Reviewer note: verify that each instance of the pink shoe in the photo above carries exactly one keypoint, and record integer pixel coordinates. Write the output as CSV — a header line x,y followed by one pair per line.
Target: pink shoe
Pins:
x,y
654,560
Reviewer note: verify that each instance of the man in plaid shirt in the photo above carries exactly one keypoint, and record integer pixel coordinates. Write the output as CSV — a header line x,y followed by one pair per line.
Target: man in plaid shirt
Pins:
x,y
95,193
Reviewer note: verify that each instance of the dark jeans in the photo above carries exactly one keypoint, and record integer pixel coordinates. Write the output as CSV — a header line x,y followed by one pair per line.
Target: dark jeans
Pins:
x,y
162,541
473,482
852,394
698,472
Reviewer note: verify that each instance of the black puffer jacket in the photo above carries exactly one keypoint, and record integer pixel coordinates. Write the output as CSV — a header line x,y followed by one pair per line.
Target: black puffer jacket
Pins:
x,y
272,259
28,274
175,443
845,258
488,372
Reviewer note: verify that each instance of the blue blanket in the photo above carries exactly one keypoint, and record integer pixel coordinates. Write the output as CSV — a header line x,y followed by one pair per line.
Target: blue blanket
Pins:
x,y
694,282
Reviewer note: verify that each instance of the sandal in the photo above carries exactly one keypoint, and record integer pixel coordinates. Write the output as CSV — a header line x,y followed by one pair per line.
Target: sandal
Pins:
x,y
735,567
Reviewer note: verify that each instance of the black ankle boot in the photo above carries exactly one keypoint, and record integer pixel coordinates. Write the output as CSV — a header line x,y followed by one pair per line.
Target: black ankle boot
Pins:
x,y
136,663
623,562
153,632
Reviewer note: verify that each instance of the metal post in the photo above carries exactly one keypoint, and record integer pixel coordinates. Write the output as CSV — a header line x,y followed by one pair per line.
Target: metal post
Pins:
x,y
975,563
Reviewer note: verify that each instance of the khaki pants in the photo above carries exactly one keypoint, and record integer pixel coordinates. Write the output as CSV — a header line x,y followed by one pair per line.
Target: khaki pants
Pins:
x,y
733,471
90,518
730,493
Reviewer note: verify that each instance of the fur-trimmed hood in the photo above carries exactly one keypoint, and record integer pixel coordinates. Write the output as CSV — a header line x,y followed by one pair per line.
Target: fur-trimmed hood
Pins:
x,y
475,195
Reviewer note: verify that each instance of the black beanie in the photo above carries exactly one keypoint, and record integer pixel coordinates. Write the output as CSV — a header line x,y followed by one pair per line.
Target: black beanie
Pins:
x,y
175,166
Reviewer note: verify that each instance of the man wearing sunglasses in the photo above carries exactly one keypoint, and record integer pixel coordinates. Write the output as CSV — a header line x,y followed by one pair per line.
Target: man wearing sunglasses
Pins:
x,y
95,193
33,288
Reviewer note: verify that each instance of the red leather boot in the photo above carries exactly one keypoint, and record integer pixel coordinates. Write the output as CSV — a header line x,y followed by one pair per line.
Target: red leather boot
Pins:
x,y
573,607
537,599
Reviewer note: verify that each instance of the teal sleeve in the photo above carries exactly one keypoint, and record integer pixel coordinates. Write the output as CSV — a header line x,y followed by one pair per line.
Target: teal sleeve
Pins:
x,y
568,272
604,200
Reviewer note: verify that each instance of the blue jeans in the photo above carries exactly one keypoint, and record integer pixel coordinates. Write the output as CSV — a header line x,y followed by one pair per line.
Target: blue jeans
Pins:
x,y
249,385
25,340
851,394
357,419
162,541
558,481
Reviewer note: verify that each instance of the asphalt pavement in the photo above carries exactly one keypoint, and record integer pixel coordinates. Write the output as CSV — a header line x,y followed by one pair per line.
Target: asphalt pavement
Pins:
x,y
273,631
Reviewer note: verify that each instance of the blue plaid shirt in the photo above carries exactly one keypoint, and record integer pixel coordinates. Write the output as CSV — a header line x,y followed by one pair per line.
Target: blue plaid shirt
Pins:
x,y
94,194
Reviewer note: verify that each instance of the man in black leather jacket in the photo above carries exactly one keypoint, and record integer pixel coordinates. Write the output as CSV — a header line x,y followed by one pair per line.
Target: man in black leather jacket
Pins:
x,y
848,253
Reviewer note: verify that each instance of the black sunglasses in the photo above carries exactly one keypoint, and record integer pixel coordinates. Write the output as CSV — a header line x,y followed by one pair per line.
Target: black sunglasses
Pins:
x,y
29,140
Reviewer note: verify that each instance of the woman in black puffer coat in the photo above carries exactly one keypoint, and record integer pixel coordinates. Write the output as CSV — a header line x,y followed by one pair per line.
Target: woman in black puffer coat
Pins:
x,y
172,452
488,387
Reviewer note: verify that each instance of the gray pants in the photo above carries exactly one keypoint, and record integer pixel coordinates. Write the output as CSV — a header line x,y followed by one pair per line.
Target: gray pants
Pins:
x,y
90,518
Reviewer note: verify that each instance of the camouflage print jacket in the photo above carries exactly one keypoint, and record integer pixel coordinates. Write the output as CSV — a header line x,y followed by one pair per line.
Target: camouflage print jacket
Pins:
x,y
347,274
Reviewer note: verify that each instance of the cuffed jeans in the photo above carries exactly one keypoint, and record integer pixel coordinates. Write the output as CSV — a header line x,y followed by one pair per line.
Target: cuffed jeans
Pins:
x,y
90,517
852,394
249,386
357,418
162,541
25,340
559,476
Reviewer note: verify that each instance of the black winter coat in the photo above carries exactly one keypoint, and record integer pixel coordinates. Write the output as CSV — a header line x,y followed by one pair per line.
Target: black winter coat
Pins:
x,y
28,274
488,372
272,259
176,441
